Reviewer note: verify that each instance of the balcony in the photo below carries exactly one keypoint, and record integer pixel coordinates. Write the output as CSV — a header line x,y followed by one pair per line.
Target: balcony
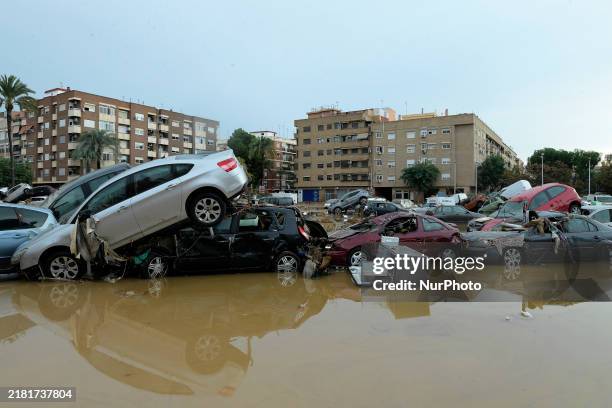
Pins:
x,y
163,141
124,151
123,136
74,112
106,118
163,128
53,163
39,135
54,116
39,165
39,149
188,145
24,152
74,163
187,132
41,119
72,145
152,125
123,121
54,148
54,132
152,139
74,129
151,153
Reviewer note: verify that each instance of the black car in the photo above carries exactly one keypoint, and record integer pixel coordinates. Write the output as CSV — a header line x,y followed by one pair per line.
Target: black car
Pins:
x,y
453,213
256,238
377,207
276,200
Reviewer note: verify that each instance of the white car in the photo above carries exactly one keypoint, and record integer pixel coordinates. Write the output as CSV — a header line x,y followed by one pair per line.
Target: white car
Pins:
x,y
139,202
601,213
18,192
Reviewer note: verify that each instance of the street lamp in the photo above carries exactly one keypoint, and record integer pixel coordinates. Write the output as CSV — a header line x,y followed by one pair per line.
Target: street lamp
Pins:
x,y
589,176
542,167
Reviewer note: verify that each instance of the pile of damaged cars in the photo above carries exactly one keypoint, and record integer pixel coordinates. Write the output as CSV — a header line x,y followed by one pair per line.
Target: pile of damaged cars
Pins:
x,y
171,213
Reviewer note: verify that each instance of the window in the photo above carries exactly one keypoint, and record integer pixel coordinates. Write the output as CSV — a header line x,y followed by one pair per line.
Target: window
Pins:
x,y
200,127
321,165
410,162
423,132
555,191
306,178
379,162
107,156
445,160
446,146
139,116
430,225
538,200
307,153
89,107
432,146
30,218
305,165
175,123
411,134
576,225
175,136
445,176
62,155
151,178
320,152
107,110
306,129
379,178
603,216
391,150
446,131
105,125
89,123
391,163
378,135
108,196
139,131
253,221
391,178
139,146
320,128
410,148
320,177
432,131
8,219
123,129
62,107
306,141
390,136
61,171
379,150
320,140
124,114
62,123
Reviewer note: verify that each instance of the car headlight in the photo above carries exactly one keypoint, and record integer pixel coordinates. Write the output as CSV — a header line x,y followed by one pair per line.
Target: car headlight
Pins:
x,y
16,258
328,246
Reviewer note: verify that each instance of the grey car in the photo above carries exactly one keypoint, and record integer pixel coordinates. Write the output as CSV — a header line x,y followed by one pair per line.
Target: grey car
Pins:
x,y
18,224
351,199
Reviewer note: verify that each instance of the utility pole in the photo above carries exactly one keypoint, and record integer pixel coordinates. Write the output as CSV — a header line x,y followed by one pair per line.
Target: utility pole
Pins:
x,y
542,156
589,175
476,176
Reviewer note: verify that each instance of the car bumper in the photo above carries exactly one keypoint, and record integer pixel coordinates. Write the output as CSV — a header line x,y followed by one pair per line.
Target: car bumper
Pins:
x,y
337,257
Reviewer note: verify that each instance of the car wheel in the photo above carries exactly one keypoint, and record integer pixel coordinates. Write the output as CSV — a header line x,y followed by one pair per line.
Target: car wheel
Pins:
x,y
354,257
156,265
60,300
287,266
62,265
574,209
337,211
512,263
27,191
363,201
207,209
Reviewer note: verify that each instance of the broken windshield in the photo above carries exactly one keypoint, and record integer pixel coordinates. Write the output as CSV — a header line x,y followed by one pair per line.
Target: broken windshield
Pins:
x,y
510,209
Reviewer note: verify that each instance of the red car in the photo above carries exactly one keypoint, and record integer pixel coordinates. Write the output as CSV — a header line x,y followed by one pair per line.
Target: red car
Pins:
x,y
417,231
548,197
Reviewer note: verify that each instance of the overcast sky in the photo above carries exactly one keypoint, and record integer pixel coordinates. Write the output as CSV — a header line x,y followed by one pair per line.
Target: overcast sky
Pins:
x,y
538,72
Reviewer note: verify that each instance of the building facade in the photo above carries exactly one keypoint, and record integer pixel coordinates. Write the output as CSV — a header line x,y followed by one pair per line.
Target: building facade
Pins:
x,y
374,156
47,139
281,173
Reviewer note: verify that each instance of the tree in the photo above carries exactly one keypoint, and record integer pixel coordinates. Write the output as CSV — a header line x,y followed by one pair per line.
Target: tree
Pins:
x,y
240,143
562,166
513,175
421,177
23,172
253,151
603,178
91,145
490,172
13,92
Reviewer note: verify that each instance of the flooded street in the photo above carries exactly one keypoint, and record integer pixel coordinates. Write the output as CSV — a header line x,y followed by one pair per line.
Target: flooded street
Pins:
x,y
255,339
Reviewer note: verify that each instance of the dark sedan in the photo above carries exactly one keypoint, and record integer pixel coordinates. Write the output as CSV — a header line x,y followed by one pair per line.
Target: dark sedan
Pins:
x,y
453,213
422,233
378,207
257,238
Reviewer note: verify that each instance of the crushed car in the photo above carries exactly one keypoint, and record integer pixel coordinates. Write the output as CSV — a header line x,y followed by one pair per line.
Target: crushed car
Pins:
x,y
422,233
136,204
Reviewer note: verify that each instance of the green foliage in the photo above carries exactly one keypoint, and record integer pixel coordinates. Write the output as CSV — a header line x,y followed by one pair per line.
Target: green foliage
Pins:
x,y
91,145
490,172
252,151
23,172
513,175
603,179
562,166
421,177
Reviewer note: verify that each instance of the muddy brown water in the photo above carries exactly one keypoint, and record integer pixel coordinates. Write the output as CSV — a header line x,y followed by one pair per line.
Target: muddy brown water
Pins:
x,y
263,340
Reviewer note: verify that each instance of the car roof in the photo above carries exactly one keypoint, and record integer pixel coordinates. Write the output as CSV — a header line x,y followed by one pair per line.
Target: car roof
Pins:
x,y
93,175
27,207
526,195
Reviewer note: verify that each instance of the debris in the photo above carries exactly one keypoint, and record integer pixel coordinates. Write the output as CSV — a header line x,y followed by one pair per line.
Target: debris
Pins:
x,y
526,314
508,318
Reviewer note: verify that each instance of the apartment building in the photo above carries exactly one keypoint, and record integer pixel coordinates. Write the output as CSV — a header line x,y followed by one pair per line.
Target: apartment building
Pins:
x,y
144,132
16,120
333,150
281,173
456,144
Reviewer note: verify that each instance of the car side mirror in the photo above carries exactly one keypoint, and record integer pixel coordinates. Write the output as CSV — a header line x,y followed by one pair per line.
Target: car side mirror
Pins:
x,y
83,215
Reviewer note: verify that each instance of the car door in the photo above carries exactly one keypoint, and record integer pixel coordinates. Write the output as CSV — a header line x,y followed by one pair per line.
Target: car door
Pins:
x,y
555,199
253,244
199,251
604,216
583,238
12,234
406,229
112,213
157,197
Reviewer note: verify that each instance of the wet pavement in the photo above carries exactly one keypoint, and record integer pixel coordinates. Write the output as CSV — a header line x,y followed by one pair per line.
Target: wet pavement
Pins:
x,y
265,340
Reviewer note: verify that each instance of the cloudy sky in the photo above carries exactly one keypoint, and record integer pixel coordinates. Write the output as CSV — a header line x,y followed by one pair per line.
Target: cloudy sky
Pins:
x,y
538,72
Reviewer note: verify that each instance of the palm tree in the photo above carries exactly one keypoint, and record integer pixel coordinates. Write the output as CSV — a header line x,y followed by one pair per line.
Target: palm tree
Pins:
x,y
91,145
13,91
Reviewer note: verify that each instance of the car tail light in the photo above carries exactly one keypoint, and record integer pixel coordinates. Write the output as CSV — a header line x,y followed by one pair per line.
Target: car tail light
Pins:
x,y
228,164
303,232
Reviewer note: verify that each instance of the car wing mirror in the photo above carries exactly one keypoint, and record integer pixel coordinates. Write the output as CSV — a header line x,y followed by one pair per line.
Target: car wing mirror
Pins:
x,y
83,215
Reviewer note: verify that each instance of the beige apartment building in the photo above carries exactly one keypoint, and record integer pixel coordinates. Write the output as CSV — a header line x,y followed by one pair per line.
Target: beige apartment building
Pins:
x,y
145,133
456,144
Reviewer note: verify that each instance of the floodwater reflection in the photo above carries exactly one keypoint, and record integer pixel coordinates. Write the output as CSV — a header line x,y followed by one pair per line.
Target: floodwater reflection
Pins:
x,y
195,335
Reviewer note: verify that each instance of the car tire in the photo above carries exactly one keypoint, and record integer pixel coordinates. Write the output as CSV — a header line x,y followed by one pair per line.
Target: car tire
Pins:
x,y
27,191
337,211
156,265
513,258
574,208
354,257
287,266
62,265
206,209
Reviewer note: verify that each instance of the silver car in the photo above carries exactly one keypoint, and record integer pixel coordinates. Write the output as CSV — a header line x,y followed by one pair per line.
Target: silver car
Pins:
x,y
140,202
351,199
